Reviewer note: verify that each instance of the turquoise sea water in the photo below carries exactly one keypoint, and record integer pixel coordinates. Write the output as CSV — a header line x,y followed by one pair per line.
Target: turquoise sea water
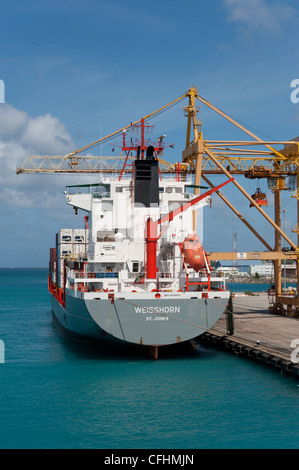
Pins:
x,y
242,286
57,394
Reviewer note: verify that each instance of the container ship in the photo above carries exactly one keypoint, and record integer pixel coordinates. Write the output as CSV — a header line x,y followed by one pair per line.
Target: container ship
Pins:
x,y
136,274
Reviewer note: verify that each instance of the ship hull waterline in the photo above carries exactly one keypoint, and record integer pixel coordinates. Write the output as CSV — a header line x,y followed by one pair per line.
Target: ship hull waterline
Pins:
x,y
150,322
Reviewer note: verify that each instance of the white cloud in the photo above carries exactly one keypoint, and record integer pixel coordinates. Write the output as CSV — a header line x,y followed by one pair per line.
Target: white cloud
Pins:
x,y
12,122
22,135
46,135
260,15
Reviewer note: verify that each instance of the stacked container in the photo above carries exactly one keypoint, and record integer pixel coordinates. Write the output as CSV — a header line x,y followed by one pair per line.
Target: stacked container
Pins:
x,y
71,244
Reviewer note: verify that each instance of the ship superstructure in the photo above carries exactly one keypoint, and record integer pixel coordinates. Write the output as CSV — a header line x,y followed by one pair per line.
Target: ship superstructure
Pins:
x,y
113,249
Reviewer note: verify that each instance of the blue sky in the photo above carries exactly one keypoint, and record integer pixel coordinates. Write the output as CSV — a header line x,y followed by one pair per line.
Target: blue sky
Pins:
x,y
75,71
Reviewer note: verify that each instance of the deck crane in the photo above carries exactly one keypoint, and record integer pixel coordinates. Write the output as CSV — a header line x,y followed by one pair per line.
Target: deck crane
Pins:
x,y
201,157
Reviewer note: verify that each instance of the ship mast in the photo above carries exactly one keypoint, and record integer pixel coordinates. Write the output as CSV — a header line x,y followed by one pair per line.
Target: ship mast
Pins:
x,y
140,146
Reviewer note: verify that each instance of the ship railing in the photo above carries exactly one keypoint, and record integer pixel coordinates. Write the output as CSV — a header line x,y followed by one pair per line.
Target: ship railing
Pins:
x,y
98,190
93,276
166,277
182,275
133,276
105,239
173,177
205,280
168,274
204,274
96,195
141,274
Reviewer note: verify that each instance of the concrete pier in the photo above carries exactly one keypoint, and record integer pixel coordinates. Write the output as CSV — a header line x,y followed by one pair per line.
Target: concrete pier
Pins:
x,y
258,334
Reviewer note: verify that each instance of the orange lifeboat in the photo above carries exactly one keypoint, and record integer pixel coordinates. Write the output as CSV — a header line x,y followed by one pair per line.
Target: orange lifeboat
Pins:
x,y
193,252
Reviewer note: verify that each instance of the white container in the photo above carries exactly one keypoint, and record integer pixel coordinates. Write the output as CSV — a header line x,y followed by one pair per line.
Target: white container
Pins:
x,y
65,250
79,235
65,235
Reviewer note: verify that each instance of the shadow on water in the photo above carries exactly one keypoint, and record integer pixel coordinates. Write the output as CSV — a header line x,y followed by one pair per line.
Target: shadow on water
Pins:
x,y
86,349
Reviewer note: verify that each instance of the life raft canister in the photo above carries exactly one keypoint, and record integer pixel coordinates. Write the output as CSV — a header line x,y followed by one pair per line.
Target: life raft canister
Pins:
x,y
193,252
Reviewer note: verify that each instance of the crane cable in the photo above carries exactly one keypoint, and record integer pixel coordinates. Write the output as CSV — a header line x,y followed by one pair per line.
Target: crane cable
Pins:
x,y
116,133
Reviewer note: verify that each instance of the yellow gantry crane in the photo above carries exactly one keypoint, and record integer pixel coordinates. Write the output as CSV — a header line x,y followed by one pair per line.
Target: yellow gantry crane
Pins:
x,y
203,157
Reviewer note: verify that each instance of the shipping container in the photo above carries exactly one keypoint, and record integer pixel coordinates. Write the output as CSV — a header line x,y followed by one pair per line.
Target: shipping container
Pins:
x,y
65,235
79,235
64,250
